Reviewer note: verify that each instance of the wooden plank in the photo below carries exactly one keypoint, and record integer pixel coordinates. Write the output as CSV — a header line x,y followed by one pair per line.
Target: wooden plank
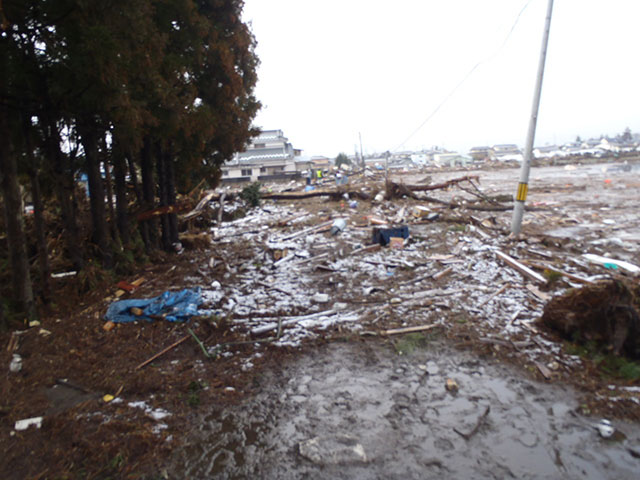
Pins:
x,y
570,276
307,231
398,331
491,297
159,354
524,270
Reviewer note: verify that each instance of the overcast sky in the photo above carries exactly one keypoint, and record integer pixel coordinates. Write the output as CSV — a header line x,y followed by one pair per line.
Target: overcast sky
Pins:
x,y
331,69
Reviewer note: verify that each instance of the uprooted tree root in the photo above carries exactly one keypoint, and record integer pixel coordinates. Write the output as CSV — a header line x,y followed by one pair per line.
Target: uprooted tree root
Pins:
x,y
605,313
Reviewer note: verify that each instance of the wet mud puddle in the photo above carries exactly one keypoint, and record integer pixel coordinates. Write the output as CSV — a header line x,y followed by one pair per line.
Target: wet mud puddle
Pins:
x,y
363,411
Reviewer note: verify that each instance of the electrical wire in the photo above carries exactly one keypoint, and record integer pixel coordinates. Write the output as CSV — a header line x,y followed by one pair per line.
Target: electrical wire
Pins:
x,y
473,69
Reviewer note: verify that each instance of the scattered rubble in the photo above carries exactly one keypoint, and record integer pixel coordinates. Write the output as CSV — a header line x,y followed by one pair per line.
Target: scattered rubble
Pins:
x,y
304,266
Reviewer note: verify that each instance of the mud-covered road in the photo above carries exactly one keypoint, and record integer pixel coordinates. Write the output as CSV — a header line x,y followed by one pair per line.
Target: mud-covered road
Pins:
x,y
361,410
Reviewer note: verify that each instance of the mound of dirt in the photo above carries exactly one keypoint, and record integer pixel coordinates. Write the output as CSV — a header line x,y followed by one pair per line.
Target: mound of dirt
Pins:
x,y
605,312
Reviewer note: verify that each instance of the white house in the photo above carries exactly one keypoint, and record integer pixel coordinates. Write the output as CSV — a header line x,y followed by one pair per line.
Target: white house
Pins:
x,y
268,155
549,151
451,158
507,152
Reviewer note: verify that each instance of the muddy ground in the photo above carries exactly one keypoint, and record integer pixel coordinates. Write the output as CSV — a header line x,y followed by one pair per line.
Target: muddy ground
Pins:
x,y
279,398
360,410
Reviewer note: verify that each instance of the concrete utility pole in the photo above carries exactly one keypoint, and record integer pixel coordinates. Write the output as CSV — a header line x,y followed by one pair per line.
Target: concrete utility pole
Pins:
x,y
361,156
523,186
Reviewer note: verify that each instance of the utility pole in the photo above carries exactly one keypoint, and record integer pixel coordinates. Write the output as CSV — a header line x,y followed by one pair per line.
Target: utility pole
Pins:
x,y
523,186
361,155
386,165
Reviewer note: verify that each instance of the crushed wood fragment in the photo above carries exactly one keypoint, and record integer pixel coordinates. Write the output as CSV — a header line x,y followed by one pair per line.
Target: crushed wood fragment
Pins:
x,y
439,275
538,293
546,373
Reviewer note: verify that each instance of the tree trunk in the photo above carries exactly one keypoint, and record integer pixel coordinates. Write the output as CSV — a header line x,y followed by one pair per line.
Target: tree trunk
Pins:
x,y
100,234
64,185
119,167
104,161
14,223
163,196
149,227
38,215
171,197
112,211
134,178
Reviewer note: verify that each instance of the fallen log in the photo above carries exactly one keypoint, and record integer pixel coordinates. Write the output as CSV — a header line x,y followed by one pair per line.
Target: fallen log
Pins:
x,y
438,186
334,194
164,210
395,190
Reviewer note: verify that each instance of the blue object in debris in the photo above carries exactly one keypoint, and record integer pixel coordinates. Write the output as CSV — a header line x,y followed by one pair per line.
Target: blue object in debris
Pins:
x,y
308,188
382,235
173,306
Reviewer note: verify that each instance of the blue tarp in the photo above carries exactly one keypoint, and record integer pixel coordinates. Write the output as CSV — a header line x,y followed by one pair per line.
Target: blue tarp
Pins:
x,y
173,306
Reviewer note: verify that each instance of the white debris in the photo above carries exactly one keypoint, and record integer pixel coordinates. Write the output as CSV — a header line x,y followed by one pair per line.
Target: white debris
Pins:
x,y
321,298
157,414
605,429
630,267
27,422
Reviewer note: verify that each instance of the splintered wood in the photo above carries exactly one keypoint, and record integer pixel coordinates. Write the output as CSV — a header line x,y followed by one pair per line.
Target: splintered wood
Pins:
x,y
524,270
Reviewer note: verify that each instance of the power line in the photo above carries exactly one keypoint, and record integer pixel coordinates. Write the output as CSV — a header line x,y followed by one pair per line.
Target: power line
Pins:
x,y
455,89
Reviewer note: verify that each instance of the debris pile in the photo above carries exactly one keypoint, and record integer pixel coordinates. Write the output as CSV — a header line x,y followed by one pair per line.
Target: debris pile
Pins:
x,y
605,312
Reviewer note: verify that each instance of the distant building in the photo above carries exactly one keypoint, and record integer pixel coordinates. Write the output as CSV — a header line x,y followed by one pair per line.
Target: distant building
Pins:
x,y
321,162
482,153
421,158
268,156
303,163
548,151
451,158
507,152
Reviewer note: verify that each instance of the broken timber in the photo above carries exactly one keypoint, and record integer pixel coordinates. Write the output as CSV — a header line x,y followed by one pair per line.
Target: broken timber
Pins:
x,y
333,193
524,270
398,331
307,230
200,206
399,189
570,276
164,210
159,354
289,321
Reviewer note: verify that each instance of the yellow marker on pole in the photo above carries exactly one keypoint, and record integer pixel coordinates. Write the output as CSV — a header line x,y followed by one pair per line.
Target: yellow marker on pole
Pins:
x,y
521,195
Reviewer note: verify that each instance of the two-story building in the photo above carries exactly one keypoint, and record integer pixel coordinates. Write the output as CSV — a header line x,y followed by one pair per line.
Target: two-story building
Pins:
x,y
481,153
268,156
